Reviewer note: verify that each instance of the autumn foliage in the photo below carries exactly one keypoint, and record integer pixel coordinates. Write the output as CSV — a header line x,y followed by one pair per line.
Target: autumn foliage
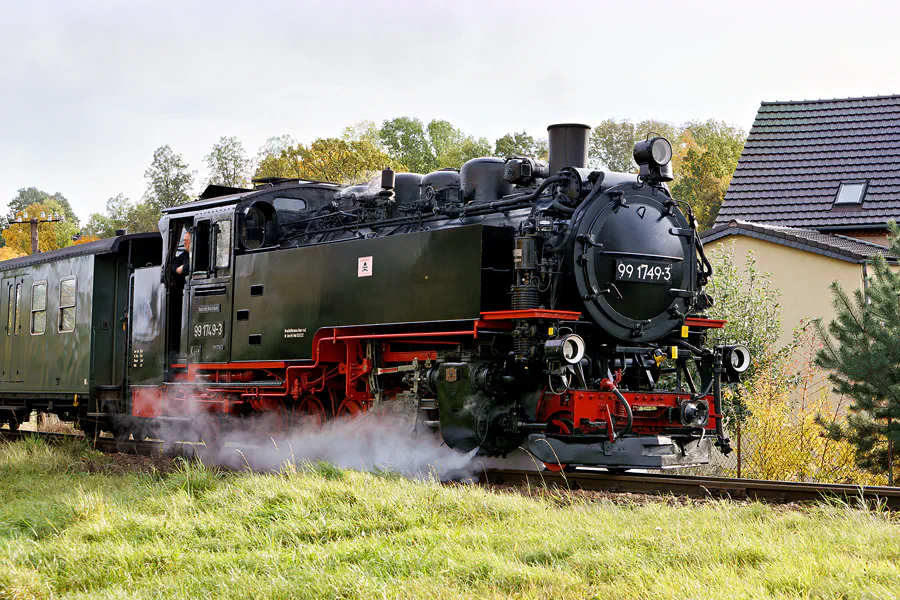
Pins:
x,y
7,253
782,431
86,239
51,236
779,416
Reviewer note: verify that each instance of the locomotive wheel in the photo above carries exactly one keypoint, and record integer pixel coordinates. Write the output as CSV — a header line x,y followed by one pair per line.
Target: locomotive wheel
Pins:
x,y
350,408
122,435
90,428
559,423
16,420
310,411
141,432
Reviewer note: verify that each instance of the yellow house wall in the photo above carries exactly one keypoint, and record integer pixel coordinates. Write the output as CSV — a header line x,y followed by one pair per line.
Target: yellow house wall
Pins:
x,y
803,278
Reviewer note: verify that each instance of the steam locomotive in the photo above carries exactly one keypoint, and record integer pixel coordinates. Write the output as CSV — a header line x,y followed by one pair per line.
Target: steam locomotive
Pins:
x,y
509,304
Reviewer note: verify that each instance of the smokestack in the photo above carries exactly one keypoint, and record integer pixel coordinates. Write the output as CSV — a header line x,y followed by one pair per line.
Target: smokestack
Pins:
x,y
568,146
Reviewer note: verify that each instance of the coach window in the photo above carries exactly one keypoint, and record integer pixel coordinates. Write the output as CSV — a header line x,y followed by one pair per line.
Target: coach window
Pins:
x,y
67,289
39,308
9,309
18,323
223,244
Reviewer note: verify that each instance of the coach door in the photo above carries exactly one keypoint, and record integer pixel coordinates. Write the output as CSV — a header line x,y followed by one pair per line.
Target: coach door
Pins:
x,y
7,289
11,312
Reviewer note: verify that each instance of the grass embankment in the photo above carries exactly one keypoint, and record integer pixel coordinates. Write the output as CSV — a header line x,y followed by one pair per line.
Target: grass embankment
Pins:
x,y
72,524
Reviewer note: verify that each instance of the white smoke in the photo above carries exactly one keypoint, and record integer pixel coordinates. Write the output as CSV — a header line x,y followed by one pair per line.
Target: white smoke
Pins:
x,y
367,443
371,185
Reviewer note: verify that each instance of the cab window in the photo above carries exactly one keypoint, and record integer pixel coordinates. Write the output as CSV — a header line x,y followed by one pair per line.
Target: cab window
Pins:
x,y
200,248
257,225
297,205
223,244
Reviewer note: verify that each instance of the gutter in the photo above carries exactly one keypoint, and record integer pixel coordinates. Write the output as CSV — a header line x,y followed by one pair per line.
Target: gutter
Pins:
x,y
849,227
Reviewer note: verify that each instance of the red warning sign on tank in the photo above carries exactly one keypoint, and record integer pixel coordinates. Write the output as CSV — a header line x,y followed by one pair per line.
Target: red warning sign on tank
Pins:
x,y
364,269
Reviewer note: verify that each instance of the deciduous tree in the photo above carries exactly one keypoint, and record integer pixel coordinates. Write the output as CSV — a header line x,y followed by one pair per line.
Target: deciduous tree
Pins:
x,y
362,131
407,143
521,144
85,239
328,159
169,179
451,147
228,163
708,155
267,161
746,299
7,253
122,213
32,195
51,236
612,142
332,159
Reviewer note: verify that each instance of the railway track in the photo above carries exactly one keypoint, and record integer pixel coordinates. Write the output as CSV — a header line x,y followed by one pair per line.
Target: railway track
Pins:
x,y
111,445
777,492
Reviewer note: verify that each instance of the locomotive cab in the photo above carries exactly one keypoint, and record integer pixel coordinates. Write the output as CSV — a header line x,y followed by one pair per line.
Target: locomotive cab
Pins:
x,y
223,224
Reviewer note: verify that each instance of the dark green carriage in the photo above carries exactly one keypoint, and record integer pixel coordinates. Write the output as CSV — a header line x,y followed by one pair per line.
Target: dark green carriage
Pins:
x,y
64,336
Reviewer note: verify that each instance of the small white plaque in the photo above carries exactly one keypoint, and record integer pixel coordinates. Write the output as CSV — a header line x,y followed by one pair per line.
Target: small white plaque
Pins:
x,y
364,268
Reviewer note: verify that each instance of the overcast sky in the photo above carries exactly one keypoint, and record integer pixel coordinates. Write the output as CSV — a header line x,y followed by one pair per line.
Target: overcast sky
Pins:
x,y
90,89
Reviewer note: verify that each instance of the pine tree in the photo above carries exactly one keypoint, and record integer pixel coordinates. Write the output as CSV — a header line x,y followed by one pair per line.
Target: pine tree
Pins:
x,y
863,354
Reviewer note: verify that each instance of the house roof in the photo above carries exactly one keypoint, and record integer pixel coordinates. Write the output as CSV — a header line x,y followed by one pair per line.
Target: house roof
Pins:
x,y
798,153
832,245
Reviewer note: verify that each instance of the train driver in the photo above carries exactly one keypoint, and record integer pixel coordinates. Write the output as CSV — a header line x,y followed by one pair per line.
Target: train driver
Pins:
x,y
181,266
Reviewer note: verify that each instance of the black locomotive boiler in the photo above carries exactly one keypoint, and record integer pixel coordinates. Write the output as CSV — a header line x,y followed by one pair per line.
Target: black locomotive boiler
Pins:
x,y
510,304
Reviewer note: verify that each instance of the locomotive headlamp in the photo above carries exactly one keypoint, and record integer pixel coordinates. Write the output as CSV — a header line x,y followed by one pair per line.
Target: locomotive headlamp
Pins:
x,y
654,156
736,361
661,151
694,413
655,151
568,349
737,358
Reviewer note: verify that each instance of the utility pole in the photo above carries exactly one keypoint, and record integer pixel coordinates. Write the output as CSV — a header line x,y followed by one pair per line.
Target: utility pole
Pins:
x,y
34,235
35,222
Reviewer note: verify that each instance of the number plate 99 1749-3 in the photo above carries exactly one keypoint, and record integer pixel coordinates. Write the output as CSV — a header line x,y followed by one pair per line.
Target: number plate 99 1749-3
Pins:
x,y
644,271
209,330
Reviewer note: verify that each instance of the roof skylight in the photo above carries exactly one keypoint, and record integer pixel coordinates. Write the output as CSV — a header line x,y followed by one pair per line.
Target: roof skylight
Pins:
x,y
851,193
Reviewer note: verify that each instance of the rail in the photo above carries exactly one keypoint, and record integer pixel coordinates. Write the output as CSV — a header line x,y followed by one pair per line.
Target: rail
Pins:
x,y
776,492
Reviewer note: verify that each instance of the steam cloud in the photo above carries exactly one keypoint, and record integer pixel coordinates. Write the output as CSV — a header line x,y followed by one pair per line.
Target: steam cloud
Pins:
x,y
368,443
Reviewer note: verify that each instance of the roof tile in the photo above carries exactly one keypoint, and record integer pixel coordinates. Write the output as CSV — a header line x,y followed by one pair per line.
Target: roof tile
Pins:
x,y
798,153
838,246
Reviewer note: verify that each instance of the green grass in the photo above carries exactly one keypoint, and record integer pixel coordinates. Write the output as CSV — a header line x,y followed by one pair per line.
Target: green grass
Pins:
x,y
323,532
